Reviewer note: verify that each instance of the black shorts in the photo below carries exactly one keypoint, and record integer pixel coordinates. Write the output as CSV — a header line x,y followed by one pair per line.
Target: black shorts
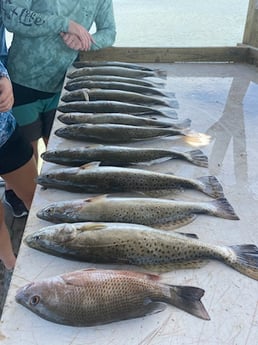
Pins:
x,y
16,152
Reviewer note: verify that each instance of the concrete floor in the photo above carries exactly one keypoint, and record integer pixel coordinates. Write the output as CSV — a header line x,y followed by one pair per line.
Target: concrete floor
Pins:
x,y
221,100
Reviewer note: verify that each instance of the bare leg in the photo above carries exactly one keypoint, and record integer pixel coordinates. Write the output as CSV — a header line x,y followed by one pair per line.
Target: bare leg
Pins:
x,y
6,250
35,150
23,181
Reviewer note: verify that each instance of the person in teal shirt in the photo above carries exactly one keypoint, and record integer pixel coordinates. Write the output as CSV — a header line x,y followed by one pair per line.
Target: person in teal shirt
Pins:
x,y
42,50
47,37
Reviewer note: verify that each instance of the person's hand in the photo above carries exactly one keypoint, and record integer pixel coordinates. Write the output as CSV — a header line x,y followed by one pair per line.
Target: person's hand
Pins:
x,y
83,35
6,94
72,41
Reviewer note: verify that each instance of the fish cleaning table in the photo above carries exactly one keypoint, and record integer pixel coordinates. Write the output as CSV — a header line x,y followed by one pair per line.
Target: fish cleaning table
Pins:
x,y
221,100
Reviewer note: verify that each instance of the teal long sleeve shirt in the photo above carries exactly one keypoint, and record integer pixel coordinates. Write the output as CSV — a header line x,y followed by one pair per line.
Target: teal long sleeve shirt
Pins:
x,y
38,58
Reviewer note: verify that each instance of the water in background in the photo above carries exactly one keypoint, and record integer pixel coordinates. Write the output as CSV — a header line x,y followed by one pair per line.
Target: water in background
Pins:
x,y
184,23
178,23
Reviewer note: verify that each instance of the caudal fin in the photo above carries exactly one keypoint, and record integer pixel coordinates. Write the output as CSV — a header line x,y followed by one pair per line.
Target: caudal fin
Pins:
x,y
188,298
246,260
197,157
222,208
161,74
211,186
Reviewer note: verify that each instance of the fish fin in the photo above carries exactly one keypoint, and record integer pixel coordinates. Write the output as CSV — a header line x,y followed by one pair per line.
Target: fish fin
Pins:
x,y
188,235
151,307
170,225
89,269
196,157
168,94
223,209
163,268
185,124
163,111
246,260
149,276
141,275
211,186
96,198
90,165
188,298
92,227
161,74
172,103
85,93
93,146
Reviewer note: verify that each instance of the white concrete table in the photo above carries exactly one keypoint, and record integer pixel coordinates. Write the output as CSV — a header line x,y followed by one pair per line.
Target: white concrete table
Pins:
x,y
221,100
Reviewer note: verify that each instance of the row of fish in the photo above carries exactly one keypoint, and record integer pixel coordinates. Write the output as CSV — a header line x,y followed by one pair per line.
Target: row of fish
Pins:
x,y
116,102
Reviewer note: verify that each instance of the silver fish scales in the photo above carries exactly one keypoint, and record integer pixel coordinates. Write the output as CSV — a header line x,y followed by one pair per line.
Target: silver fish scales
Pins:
x,y
134,244
158,213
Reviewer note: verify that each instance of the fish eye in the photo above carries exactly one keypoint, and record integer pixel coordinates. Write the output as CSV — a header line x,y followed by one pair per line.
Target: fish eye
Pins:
x,y
34,300
37,238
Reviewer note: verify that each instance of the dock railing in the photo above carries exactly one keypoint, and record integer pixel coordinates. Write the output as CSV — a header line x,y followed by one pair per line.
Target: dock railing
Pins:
x,y
244,52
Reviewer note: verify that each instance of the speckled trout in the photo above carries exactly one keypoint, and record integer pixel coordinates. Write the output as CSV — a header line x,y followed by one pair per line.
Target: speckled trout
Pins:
x,y
158,213
93,297
133,244
115,133
115,107
120,155
78,84
93,178
80,64
117,70
85,94
122,80
122,119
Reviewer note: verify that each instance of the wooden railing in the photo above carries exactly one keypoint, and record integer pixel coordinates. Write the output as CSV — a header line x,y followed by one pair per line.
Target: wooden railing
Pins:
x,y
246,51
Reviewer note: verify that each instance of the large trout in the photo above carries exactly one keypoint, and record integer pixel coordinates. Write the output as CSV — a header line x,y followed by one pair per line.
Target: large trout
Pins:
x,y
93,178
159,213
133,244
120,155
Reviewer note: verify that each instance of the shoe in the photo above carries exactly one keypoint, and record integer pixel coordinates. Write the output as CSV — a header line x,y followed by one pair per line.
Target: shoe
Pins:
x,y
17,206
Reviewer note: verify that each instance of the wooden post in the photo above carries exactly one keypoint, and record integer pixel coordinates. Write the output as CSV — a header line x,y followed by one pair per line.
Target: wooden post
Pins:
x,y
251,26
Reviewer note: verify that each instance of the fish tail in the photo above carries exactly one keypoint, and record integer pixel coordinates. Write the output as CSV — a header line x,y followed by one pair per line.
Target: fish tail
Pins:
x,y
197,157
167,112
246,260
222,208
161,74
188,298
168,94
183,124
211,186
172,103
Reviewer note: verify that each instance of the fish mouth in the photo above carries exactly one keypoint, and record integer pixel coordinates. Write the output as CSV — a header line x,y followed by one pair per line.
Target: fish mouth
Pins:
x,y
20,294
31,242
42,214
41,180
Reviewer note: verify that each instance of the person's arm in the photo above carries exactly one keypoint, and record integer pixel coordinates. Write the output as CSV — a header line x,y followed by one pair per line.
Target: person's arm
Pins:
x,y
6,90
28,23
18,18
105,26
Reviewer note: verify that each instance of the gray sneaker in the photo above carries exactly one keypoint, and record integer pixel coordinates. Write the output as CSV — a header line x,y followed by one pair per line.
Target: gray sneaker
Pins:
x,y
17,206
